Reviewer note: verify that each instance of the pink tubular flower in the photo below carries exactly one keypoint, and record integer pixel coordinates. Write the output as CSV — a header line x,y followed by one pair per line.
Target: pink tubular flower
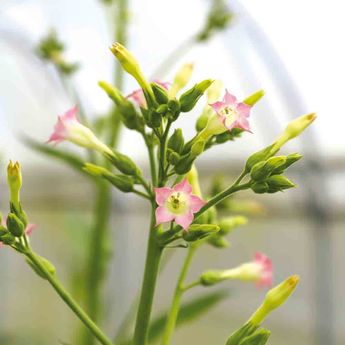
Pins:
x,y
177,203
69,128
138,95
266,270
232,114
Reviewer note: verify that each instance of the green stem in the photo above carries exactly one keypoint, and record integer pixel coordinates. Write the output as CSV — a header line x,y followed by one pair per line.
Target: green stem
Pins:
x,y
151,159
153,257
97,254
162,154
176,302
68,299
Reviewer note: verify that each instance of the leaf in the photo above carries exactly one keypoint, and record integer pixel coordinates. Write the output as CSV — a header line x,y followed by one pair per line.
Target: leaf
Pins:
x,y
72,160
188,312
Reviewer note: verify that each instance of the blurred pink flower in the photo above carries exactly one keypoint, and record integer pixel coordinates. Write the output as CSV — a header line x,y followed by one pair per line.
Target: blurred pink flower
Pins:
x,y
232,114
264,263
177,203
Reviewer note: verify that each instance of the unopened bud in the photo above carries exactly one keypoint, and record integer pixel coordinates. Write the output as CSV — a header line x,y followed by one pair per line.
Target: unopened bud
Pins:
x,y
278,183
259,187
130,64
199,231
257,157
264,169
290,160
245,331
123,163
185,164
176,141
260,337
45,263
161,94
173,157
14,181
254,98
228,224
218,241
181,79
14,225
8,239
189,99
274,299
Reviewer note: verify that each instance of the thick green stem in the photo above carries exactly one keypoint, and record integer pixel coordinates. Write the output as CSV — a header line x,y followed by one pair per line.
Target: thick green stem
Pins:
x,y
68,299
176,302
153,257
151,153
162,153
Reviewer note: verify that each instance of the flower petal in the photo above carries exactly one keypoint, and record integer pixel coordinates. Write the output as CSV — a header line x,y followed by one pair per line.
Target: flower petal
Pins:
x,y
183,186
162,194
71,114
217,106
229,99
243,109
243,123
163,215
185,220
29,229
196,203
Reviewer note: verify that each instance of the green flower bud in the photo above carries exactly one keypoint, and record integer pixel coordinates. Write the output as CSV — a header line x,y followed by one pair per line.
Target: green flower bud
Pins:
x,y
173,157
218,241
123,163
176,141
199,231
198,148
131,66
160,93
181,79
14,225
292,130
156,120
245,331
8,239
185,164
259,187
260,337
123,182
263,170
14,181
209,278
254,98
3,231
257,157
162,109
96,170
189,99
174,109
47,265
112,92
228,224
277,183
274,299
290,159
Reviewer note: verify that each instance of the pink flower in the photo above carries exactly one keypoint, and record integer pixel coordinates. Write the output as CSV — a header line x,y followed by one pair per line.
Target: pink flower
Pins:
x,y
138,95
232,114
69,128
177,203
266,270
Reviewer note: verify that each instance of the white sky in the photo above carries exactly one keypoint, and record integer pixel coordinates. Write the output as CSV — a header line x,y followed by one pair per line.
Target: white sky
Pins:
x,y
306,35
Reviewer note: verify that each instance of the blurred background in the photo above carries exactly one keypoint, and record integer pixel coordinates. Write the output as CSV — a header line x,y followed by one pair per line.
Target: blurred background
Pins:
x,y
291,49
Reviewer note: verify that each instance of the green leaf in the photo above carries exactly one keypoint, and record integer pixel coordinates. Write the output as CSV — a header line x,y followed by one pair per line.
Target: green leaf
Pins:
x,y
69,158
188,312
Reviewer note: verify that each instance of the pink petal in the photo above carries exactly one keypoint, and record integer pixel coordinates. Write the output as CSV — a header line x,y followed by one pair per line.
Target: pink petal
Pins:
x,y
163,84
185,220
162,194
183,186
229,124
229,99
29,229
163,215
138,97
267,269
71,114
196,203
217,106
243,124
243,109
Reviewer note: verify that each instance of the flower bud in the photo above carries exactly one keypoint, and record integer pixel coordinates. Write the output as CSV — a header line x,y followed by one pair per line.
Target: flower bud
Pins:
x,y
198,148
257,157
259,187
14,225
260,337
292,130
181,79
263,170
122,182
274,299
123,163
189,99
254,98
174,109
8,239
131,66
218,241
278,183
185,164
176,141
245,331
199,231
228,224
160,93
290,159
47,265
14,181
173,157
